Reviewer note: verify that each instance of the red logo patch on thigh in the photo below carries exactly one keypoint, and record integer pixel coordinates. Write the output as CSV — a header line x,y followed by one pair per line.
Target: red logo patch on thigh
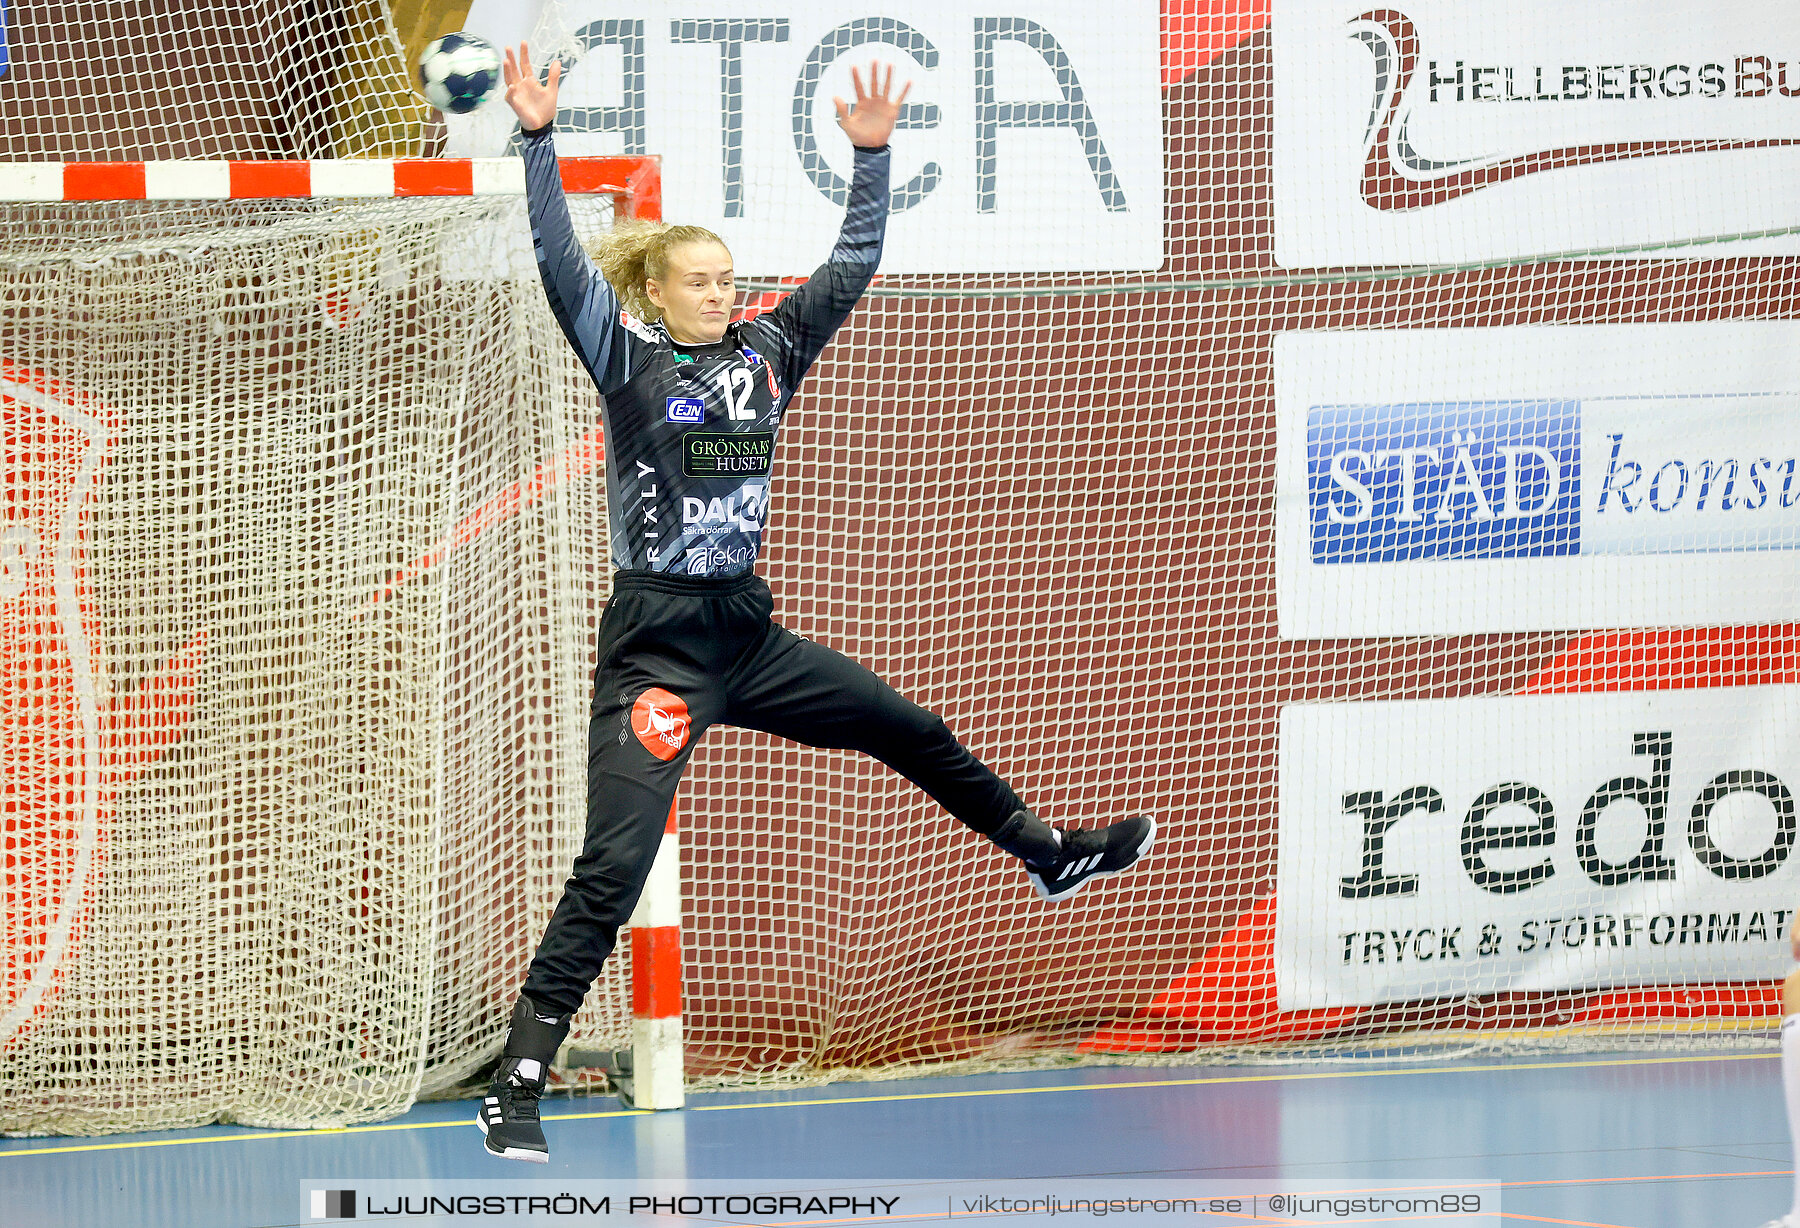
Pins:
x,y
661,722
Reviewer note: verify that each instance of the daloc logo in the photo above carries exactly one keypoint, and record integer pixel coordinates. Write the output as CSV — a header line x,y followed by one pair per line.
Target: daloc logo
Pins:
x,y
1444,480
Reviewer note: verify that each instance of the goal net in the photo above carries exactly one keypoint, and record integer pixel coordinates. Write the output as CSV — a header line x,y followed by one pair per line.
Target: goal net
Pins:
x,y
304,549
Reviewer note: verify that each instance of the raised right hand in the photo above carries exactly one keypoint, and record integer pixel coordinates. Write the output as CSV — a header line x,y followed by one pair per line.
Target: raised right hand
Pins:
x,y
534,104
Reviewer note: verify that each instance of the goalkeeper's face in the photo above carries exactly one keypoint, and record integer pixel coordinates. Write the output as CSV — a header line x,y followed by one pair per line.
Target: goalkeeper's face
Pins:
x,y
696,294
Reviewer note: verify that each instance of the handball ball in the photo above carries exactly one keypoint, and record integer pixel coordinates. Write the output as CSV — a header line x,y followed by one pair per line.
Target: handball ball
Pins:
x,y
459,72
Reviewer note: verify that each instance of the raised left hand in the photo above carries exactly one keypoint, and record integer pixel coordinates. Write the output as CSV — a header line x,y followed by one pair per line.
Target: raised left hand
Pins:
x,y
533,102
871,121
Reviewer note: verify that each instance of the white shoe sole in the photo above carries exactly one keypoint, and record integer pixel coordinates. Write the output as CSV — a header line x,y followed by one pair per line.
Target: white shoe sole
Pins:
x,y
1037,882
511,1153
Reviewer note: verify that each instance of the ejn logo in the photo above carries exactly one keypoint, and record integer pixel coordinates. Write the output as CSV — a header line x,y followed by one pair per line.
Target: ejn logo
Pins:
x,y
334,1204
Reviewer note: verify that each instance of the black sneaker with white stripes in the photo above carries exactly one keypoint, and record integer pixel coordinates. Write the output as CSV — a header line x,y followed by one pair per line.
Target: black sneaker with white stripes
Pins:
x,y
1089,854
509,1112
509,1115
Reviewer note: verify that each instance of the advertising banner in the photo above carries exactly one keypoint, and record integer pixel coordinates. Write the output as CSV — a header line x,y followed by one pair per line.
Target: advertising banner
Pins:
x,y
1451,481
1440,131
1476,846
1031,141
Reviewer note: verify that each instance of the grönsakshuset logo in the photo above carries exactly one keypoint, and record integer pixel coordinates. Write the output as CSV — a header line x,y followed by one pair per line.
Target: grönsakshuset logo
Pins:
x,y
1397,177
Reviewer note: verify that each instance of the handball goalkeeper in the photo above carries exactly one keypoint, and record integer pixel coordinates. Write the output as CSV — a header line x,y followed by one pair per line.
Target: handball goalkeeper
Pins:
x,y
693,404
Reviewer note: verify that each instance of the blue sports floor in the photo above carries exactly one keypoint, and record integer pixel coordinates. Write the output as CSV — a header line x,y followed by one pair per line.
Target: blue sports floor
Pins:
x,y
1622,1141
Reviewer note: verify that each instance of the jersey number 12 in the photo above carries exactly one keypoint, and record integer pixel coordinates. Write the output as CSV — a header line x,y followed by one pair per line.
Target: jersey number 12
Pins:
x,y
734,386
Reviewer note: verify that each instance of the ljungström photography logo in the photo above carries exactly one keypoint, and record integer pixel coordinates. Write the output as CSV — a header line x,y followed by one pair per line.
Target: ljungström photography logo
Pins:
x,y
334,1204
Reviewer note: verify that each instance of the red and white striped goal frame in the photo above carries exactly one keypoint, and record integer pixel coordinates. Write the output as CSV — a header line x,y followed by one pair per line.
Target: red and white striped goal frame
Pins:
x,y
635,181
655,936
654,930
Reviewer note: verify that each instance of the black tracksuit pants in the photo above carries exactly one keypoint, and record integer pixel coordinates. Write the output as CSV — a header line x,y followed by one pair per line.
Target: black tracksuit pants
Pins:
x,y
677,656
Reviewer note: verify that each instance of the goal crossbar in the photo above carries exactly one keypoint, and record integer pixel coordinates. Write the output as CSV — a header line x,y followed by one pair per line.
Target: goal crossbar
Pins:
x,y
635,180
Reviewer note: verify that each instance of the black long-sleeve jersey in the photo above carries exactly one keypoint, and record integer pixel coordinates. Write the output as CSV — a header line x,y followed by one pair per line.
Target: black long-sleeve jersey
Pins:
x,y
690,430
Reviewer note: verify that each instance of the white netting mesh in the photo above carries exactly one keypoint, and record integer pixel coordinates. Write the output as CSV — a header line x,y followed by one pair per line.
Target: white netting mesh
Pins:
x,y
289,79
1047,516
315,889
